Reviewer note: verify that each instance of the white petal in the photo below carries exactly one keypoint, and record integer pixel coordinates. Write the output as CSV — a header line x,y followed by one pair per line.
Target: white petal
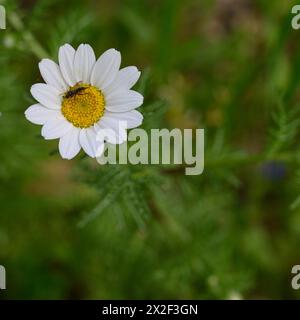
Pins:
x,y
57,128
106,68
122,101
133,118
48,96
66,56
52,75
100,149
84,62
89,144
111,131
39,114
125,79
69,144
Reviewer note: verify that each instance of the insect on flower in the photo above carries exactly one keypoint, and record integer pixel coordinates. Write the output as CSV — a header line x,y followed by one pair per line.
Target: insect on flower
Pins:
x,y
73,92
82,96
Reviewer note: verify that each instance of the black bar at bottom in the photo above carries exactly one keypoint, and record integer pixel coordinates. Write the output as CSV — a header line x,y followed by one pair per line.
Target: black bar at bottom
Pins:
x,y
134,309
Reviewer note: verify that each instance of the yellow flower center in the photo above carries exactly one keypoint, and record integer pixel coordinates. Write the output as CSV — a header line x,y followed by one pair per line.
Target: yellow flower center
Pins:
x,y
83,105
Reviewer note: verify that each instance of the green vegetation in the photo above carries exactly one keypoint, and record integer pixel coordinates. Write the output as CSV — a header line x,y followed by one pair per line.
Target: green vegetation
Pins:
x,y
74,229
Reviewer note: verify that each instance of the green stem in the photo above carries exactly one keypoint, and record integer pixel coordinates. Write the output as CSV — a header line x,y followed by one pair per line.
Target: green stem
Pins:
x,y
242,160
252,160
31,42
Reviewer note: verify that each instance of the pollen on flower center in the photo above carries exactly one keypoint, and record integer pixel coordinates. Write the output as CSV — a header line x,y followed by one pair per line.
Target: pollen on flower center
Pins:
x,y
83,105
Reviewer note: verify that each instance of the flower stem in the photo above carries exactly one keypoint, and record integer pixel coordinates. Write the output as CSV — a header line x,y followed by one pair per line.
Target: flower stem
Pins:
x,y
240,161
31,42
251,160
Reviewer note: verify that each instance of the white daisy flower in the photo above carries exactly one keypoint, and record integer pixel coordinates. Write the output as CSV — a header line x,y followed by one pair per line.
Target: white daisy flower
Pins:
x,y
82,96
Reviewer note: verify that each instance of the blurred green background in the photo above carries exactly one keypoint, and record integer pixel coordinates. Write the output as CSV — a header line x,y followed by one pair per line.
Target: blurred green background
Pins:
x,y
74,229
